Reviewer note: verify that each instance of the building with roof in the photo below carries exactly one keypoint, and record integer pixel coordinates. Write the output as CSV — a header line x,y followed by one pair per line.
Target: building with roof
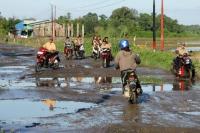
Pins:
x,y
44,28
33,28
24,29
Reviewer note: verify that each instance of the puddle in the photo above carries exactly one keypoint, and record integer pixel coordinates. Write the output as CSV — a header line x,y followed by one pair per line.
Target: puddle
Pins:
x,y
97,80
17,84
25,109
192,113
112,84
12,69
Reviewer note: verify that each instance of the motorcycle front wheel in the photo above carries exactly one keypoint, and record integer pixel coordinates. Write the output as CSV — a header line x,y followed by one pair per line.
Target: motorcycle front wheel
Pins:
x,y
132,98
38,67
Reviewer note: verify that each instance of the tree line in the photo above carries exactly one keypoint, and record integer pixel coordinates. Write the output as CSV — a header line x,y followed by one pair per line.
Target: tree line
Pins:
x,y
122,22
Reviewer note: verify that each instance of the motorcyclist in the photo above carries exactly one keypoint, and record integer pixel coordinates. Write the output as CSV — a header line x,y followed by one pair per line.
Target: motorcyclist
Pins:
x,y
51,49
180,51
79,46
106,45
126,60
78,41
68,42
96,43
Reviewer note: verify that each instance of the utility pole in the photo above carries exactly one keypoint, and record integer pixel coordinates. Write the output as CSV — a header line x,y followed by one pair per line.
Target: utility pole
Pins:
x,y
154,27
52,27
162,27
52,20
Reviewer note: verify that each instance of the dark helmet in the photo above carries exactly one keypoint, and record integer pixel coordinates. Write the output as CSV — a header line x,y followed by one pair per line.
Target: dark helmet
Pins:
x,y
123,44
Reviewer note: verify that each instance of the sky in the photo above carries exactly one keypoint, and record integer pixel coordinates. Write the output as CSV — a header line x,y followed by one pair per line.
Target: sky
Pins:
x,y
185,11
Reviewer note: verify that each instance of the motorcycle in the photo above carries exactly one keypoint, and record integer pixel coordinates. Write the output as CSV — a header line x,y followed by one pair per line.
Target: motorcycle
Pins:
x,y
79,52
96,52
42,61
68,51
182,67
106,57
131,86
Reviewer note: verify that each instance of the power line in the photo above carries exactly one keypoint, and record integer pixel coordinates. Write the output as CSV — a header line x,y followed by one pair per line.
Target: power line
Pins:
x,y
97,8
101,2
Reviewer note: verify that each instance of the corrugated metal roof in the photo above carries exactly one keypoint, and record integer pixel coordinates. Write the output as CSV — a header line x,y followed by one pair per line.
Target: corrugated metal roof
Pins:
x,y
22,26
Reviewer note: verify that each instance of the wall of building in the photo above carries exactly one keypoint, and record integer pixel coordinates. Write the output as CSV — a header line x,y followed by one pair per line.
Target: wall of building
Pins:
x,y
45,29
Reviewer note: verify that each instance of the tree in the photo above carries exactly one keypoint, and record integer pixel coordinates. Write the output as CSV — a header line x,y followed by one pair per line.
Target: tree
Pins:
x,y
103,20
124,15
145,21
91,21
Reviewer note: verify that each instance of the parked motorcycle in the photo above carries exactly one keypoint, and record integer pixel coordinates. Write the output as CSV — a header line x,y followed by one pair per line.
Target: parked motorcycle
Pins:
x,y
182,67
106,57
68,51
131,86
46,59
79,52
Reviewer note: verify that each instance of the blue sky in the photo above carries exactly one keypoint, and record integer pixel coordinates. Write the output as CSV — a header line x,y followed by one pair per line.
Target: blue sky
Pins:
x,y
185,11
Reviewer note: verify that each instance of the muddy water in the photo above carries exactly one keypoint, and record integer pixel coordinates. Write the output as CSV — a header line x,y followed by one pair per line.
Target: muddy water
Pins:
x,y
15,109
31,102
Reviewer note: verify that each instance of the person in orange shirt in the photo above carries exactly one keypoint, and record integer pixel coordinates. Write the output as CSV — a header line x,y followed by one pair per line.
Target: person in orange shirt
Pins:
x,y
50,45
51,49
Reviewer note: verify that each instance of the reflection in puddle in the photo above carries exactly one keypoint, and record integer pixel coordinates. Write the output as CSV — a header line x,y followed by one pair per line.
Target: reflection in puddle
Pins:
x,y
25,109
84,83
96,80
47,82
115,82
192,113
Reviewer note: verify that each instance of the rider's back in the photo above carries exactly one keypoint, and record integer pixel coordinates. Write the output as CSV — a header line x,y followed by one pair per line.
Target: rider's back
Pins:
x,y
125,60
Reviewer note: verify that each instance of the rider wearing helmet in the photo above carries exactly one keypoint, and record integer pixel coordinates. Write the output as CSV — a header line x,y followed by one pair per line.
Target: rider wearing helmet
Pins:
x,y
126,60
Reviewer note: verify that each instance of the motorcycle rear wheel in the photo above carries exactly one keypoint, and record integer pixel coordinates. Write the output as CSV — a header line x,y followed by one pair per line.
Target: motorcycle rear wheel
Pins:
x,y
104,63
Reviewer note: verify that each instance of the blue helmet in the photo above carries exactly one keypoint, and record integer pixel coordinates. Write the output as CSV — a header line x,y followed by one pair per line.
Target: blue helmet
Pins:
x,y
123,44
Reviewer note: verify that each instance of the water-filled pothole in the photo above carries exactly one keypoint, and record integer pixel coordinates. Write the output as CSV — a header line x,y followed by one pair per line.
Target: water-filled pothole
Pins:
x,y
25,109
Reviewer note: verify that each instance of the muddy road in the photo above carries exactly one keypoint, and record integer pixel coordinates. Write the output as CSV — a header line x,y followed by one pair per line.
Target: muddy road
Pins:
x,y
82,96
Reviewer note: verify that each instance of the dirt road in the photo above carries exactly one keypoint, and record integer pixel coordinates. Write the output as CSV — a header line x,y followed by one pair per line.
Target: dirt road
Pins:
x,y
84,97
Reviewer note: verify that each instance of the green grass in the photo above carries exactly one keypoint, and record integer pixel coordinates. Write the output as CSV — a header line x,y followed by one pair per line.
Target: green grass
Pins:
x,y
155,59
